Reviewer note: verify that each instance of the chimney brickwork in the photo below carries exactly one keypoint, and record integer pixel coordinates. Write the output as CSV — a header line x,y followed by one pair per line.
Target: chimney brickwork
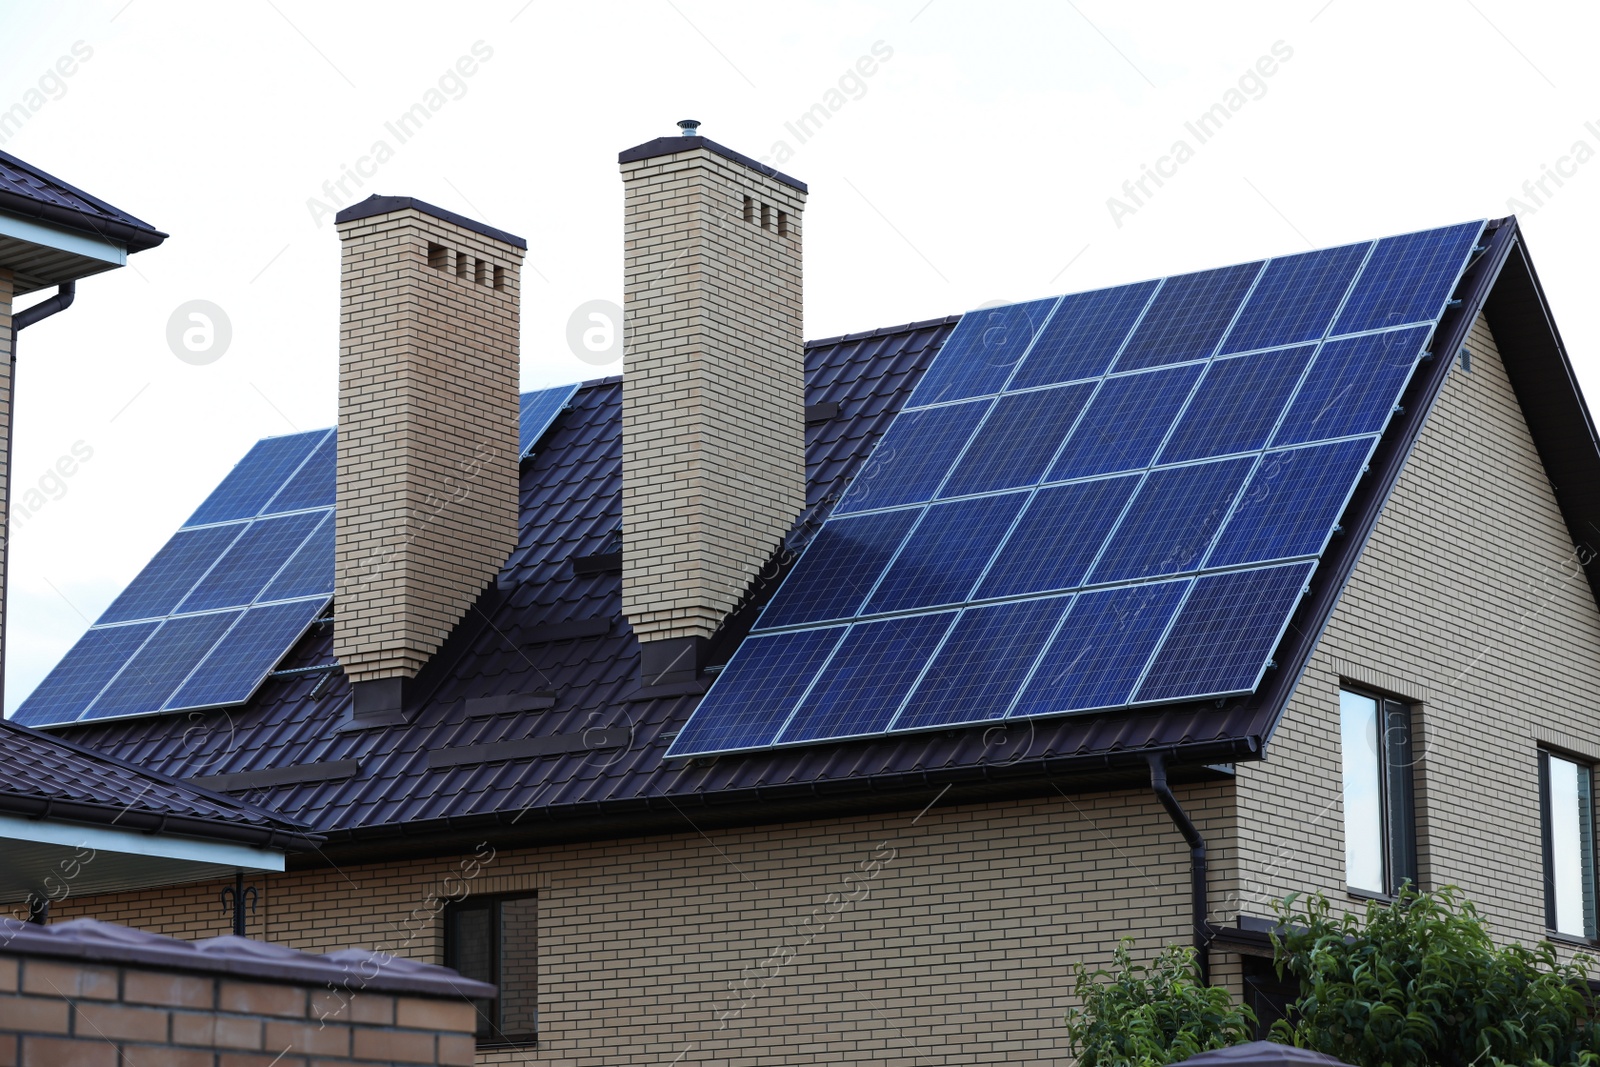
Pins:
x,y
428,393
714,388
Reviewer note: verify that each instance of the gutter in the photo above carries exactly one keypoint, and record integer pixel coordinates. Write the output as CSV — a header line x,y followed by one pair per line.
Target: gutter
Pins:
x,y
19,322
49,808
1197,861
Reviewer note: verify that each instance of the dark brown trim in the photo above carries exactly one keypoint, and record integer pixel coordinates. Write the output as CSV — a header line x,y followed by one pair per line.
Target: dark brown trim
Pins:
x,y
243,781
383,205
671,146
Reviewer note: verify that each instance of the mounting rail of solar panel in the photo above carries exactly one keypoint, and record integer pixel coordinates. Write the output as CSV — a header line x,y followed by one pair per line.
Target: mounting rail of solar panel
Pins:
x,y
1097,501
231,593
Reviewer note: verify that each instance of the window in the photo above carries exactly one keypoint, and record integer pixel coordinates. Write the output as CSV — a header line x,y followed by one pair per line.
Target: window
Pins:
x,y
495,939
1566,790
1380,850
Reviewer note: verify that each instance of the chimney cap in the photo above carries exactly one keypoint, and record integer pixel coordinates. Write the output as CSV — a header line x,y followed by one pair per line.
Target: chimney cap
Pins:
x,y
690,127
382,205
666,146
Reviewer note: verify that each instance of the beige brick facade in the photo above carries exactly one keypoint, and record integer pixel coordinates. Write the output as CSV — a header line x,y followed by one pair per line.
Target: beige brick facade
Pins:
x,y
941,939
428,373
714,392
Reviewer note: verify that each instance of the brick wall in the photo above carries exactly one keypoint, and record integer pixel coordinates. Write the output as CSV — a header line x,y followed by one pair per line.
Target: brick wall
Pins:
x,y
71,1013
428,449
1469,601
714,395
944,939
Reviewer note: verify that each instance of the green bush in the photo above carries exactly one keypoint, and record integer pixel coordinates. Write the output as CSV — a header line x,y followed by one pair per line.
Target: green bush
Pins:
x,y
1420,983
1131,1015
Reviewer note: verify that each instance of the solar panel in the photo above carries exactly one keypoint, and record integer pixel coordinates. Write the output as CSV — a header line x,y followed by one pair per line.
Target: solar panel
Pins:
x,y
1187,317
862,686
765,679
840,567
537,413
1353,386
1192,475
1222,637
912,459
1097,656
244,655
946,554
1017,441
82,673
978,670
986,345
1172,520
1237,404
1295,299
209,602
1083,336
1125,423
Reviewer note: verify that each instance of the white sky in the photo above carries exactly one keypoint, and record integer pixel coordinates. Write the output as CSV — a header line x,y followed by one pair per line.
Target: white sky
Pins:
x,y
973,165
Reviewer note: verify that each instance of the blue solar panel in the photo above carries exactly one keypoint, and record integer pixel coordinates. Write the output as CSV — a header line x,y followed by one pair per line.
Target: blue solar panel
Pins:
x,y
314,484
257,478
169,576
838,569
1059,535
981,352
1017,441
538,411
1172,520
1083,335
756,692
1187,317
1125,423
310,571
1237,404
909,462
1408,279
862,687
1291,503
945,555
1101,649
241,660
156,669
980,666
1224,634
81,674
1352,387
1295,299
251,562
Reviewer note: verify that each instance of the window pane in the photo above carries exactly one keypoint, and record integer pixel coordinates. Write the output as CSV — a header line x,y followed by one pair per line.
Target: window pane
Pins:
x,y
467,949
1571,850
519,967
1363,793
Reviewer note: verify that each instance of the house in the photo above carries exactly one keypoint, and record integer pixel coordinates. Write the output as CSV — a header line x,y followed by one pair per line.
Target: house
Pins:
x,y
685,709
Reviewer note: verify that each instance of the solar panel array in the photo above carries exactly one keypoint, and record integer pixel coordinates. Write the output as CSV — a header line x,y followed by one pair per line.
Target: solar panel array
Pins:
x,y
1103,500
538,412
219,605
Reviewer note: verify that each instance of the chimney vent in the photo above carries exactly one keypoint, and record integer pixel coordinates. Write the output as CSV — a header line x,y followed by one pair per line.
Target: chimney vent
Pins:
x,y
690,127
428,449
713,395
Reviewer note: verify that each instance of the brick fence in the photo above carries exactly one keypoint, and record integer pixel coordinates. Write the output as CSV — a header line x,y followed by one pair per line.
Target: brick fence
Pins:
x,y
93,994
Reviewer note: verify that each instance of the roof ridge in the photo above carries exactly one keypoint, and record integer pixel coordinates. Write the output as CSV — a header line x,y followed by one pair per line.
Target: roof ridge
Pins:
x,y
885,331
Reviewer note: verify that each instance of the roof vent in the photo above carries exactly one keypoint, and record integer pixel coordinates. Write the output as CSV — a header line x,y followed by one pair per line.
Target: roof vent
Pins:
x,y
690,127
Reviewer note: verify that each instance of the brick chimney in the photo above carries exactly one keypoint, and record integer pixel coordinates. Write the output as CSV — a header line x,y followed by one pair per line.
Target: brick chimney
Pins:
x,y
713,408
427,491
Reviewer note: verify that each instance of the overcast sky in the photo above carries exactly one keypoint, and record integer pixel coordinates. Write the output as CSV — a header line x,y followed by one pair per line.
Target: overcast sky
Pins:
x,y
977,161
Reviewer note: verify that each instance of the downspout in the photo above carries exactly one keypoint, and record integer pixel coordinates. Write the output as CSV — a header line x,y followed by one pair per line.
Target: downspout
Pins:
x,y
1197,861
19,322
